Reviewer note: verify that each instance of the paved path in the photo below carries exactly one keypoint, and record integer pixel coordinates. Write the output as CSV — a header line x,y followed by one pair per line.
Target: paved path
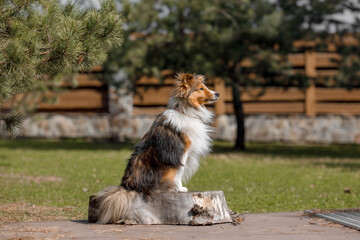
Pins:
x,y
275,226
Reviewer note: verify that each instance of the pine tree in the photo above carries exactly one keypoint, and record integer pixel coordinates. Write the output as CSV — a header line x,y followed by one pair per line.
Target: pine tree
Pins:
x,y
41,39
349,63
328,22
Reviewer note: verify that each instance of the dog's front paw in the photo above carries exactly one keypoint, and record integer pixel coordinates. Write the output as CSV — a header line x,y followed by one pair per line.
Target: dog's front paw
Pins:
x,y
182,189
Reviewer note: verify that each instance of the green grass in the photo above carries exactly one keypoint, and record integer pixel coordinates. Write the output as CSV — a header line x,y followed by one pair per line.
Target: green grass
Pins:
x,y
266,178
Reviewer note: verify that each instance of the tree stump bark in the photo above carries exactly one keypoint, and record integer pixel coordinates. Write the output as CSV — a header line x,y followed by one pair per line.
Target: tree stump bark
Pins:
x,y
185,208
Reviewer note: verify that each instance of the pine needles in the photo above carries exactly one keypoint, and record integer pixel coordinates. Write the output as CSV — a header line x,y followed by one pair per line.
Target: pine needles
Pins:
x,y
44,38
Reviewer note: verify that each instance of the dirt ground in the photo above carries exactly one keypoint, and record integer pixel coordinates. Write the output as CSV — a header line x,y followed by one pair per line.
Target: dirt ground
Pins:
x,y
28,212
293,225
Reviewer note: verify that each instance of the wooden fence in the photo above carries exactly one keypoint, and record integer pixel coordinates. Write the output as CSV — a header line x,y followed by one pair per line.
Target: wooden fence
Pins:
x,y
91,95
152,96
152,99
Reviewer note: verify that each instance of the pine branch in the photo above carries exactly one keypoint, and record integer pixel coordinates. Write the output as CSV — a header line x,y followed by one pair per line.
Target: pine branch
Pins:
x,y
10,121
58,38
18,8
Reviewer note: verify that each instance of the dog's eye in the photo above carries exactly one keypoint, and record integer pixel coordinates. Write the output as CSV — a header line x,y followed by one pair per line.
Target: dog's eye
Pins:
x,y
201,89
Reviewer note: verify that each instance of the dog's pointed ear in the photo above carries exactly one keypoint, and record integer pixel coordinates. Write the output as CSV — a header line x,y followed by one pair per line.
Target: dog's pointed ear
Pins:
x,y
186,78
200,78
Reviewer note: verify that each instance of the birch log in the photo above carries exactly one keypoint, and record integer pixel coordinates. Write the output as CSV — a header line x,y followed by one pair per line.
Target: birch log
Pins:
x,y
185,208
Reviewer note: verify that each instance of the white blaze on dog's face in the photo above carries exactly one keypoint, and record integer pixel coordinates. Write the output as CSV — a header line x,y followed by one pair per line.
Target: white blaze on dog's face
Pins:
x,y
195,91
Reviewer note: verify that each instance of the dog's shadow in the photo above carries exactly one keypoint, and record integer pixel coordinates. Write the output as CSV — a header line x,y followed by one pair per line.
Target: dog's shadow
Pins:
x,y
84,221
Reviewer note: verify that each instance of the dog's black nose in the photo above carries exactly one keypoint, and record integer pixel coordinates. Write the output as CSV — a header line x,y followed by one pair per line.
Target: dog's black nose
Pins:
x,y
217,94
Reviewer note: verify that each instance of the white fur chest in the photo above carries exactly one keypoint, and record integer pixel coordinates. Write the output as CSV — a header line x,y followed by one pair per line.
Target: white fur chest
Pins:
x,y
197,131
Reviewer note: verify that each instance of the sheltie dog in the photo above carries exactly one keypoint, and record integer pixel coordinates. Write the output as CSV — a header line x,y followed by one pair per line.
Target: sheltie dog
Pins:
x,y
169,152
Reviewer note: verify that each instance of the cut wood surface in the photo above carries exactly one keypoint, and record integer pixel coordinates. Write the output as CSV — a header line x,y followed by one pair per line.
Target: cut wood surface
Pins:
x,y
185,208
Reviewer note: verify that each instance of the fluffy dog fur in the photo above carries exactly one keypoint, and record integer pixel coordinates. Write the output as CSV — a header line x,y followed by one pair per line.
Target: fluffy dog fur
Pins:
x,y
169,152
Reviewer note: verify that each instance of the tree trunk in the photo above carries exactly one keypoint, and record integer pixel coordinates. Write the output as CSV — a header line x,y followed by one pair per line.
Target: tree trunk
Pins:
x,y
185,208
239,114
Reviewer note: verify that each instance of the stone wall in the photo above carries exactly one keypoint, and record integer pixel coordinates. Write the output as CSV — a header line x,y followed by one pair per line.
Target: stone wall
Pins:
x,y
295,129
122,125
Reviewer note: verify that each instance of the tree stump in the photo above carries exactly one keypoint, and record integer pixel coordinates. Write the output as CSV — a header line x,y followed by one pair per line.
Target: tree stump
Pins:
x,y
185,208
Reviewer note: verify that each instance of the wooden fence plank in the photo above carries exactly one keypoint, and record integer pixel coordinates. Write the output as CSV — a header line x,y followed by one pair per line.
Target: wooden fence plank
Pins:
x,y
148,110
310,94
270,94
310,63
337,94
97,68
338,108
327,60
152,96
269,107
86,80
310,100
219,86
90,80
155,81
74,99
327,72
168,76
296,59
78,99
348,39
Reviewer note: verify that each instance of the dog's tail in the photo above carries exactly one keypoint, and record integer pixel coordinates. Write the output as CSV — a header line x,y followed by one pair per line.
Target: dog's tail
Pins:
x,y
114,203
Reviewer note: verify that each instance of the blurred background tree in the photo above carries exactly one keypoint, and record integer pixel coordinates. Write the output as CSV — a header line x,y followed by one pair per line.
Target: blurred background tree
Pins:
x,y
325,23
244,42
44,39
